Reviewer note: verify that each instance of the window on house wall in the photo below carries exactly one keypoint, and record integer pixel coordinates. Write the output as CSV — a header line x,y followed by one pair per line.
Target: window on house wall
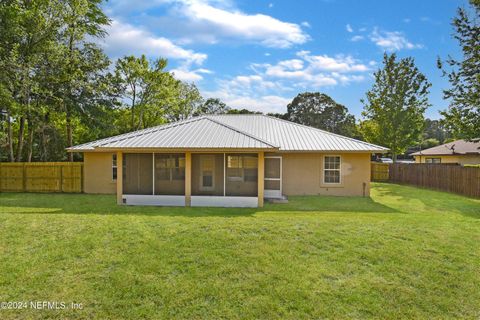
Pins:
x,y
170,167
433,160
242,168
331,169
114,167
234,168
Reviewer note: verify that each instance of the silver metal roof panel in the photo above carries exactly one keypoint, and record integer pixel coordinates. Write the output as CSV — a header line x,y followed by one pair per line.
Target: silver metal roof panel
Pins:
x,y
234,132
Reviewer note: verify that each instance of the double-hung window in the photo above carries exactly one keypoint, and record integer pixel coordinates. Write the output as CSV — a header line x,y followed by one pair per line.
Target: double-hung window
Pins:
x,y
114,167
331,169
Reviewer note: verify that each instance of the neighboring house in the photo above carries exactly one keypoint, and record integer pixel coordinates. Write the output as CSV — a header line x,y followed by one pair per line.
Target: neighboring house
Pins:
x,y
460,151
226,160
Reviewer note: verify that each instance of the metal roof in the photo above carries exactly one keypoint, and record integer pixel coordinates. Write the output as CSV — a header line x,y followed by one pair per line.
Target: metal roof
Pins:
x,y
195,133
451,148
233,132
291,136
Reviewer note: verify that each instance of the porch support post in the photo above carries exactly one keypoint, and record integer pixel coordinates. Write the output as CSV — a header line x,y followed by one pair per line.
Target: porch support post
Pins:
x,y
188,179
261,172
119,177
224,174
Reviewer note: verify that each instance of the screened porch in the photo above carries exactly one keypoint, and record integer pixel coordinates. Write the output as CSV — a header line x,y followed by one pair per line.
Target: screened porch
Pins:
x,y
196,179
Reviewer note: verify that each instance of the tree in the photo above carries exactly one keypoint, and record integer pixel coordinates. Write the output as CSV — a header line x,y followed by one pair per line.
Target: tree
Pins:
x,y
188,103
434,129
394,107
131,73
28,29
283,116
151,90
82,60
213,106
463,115
242,111
318,110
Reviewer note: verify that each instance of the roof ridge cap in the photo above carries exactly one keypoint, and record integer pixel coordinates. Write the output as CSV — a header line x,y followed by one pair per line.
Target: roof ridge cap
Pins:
x,y
241,131
324,131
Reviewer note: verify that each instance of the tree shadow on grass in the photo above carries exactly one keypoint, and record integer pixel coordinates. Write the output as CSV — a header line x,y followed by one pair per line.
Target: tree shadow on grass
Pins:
x,y
36,203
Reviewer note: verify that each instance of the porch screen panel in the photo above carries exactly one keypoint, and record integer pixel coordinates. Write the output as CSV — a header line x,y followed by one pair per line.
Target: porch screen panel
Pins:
x,y
137,173
242,175
170,174
207,174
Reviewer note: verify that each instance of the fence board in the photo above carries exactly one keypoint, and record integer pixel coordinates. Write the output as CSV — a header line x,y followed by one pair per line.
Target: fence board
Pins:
x,y
379,171
41,177
444,177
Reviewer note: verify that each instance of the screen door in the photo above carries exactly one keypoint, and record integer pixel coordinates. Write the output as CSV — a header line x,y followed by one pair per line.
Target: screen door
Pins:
x,y
273,177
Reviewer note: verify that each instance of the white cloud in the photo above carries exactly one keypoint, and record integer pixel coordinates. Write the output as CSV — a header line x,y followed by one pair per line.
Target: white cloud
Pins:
x,y
357,38
255,82
392,40
211,21
189,75
125,39
339,63
292,64
312,70
265,104
267,87
349,28
306,24
262,103
232,23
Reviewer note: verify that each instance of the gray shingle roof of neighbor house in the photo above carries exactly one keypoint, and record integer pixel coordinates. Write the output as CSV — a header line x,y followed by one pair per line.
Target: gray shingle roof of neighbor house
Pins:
x,y
233,132
451,148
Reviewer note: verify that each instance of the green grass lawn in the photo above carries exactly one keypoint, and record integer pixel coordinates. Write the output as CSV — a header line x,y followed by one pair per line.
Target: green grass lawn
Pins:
x,y
403,253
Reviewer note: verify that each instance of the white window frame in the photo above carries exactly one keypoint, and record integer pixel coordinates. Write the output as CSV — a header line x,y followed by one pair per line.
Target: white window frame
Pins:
x,y
114,166
339,170
432,160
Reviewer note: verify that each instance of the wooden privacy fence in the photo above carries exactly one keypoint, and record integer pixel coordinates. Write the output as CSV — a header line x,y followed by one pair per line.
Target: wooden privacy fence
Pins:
x,y
41,177
379,171
450,178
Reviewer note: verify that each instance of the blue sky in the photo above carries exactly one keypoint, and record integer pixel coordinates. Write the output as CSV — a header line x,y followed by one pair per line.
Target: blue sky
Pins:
x,y
261,54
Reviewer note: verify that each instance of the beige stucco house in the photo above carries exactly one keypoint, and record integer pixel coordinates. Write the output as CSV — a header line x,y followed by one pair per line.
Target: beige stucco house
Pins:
x,y
226,160
460,152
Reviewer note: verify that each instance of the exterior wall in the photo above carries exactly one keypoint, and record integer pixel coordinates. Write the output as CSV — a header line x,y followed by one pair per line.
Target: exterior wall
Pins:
x,y
98,173
460,159
302,174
